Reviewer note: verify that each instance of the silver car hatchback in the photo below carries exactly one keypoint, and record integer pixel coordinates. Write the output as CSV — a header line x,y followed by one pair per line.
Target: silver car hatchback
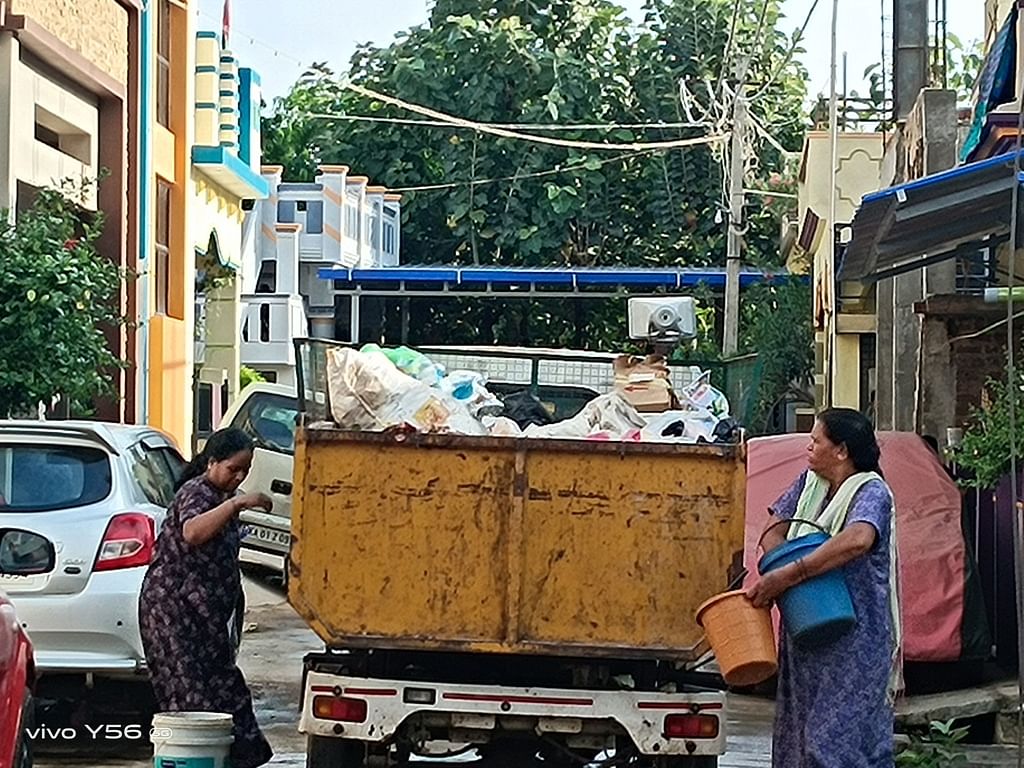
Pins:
x,y
99,493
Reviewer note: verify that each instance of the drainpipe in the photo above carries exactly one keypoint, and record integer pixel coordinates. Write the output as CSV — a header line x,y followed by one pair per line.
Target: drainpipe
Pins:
x,y
145,218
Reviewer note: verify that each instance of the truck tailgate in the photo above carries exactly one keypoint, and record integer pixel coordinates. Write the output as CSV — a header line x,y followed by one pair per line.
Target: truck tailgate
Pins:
x,y
515,546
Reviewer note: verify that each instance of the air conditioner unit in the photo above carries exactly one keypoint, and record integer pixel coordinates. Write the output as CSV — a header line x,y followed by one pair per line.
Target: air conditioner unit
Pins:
x,y
667,318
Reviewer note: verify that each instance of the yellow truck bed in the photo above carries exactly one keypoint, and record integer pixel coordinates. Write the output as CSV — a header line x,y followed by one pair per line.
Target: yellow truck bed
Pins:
x,y
526,546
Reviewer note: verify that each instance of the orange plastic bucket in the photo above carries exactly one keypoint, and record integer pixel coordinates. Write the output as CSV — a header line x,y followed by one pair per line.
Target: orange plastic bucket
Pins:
x,y
741,637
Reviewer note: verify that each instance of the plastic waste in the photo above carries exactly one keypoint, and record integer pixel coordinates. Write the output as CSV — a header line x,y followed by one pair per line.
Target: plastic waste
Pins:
x,y
703,396
610,413
411,363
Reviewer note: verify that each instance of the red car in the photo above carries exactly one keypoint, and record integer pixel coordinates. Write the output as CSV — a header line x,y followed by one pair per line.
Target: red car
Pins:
x,y
23,555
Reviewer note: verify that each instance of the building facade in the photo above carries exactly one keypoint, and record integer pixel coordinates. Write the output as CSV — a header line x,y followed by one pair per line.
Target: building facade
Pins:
x,y
70,82
225,179
166,285
299,229
844,313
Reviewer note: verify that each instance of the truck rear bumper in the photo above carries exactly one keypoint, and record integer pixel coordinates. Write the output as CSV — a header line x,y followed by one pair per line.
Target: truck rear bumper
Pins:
x,y
374,710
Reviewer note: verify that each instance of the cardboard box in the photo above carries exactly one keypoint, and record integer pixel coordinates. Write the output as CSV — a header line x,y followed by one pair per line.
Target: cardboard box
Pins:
x,y
644,383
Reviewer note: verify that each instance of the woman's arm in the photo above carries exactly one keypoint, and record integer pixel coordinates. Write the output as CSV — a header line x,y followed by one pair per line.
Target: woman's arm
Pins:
x,y
856,540
200,529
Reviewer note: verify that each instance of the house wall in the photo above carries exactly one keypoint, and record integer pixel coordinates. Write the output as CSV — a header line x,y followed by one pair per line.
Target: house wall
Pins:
x,y
172,334
927,144
859,163
73,68
963,346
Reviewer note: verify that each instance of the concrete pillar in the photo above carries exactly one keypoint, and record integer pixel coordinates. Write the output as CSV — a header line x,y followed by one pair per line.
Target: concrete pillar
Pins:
x,y
288,258
910,59
333,179
10,61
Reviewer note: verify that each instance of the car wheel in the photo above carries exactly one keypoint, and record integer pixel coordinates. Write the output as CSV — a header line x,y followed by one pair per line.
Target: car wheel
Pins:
x,y
23,752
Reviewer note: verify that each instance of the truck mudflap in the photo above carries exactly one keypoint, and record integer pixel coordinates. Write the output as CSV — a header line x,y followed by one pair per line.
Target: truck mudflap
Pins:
x,y
379,711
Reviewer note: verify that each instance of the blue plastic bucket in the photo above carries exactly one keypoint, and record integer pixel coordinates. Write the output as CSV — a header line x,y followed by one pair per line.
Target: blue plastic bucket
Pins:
x,y
819,610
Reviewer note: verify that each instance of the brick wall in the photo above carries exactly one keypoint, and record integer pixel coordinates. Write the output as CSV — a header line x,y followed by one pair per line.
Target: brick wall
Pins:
x,y
96,29
962,352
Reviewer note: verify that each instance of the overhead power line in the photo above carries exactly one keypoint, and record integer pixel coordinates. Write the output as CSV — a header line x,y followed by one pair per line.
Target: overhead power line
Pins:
x,y
545,127
789,55
538,174
519,136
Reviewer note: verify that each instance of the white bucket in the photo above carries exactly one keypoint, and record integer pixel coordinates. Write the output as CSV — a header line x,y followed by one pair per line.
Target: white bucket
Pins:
x,y
191,739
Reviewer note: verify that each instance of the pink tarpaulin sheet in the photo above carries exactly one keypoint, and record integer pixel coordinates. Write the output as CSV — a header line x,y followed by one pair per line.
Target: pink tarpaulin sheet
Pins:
x,y
928,531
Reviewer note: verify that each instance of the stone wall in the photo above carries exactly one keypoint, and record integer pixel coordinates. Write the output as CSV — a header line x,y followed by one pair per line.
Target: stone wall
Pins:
x,y
96,29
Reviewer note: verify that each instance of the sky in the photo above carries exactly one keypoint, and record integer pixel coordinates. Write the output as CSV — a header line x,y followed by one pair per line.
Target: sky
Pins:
x,y
280,45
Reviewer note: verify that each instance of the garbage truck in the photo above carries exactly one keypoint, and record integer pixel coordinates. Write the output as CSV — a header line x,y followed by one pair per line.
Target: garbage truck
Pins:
x,y
527,598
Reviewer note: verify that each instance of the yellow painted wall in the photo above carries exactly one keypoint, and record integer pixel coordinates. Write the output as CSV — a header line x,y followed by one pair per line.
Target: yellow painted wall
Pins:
x,y
846,381
172,337
170,387
859,164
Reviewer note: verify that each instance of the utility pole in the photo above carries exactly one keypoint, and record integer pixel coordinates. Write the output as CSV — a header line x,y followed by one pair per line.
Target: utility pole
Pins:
x,y
734,245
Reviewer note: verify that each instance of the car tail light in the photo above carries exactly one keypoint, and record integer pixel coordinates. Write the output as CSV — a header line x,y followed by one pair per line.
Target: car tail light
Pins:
x,y
127,543
339,708
691,726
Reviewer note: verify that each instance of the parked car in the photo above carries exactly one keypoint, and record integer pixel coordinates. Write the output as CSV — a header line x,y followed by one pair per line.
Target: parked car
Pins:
x,y
23,555
96,494
267,413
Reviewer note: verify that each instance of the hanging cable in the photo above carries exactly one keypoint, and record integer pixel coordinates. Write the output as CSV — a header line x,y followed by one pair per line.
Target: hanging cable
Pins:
x,y
509,126
504,133
539,174
789,55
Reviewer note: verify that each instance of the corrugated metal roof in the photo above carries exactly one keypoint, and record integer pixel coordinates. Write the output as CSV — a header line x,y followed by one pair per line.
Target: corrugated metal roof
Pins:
x,y
907,227
569,277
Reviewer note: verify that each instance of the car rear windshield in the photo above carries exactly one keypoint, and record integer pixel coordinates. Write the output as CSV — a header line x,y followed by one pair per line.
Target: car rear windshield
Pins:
x,y
36,478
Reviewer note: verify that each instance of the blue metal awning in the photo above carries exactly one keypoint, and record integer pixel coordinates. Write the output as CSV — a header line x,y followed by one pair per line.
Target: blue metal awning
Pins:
x,y
568,278
933,219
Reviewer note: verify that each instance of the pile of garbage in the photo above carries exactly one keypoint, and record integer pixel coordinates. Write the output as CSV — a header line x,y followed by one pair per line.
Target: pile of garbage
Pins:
x,y
375,389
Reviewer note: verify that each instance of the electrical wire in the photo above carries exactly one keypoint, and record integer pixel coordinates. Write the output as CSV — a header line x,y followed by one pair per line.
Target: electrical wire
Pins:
x,y
539,174
508,126
528,137
789,55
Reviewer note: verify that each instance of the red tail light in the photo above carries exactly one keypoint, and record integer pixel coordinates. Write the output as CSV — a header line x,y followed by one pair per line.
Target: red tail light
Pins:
x,y
691,727
127,543
338,708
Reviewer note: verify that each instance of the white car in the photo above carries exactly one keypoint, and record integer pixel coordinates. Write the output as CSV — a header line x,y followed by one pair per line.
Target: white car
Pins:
x,y
98,493
267,413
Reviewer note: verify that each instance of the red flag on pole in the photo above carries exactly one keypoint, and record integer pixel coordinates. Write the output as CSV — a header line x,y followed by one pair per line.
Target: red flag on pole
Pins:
x,y
226,24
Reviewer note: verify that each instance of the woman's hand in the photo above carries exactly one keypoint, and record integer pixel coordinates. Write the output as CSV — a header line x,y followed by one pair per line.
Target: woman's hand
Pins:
x,y
772,584
254,501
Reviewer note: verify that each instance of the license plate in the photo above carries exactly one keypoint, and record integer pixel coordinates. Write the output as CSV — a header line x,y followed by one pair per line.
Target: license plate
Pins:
x,y
257,533
14,583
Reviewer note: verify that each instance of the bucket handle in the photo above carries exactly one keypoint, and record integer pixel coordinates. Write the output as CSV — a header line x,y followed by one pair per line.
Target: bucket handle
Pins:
x,y
788,521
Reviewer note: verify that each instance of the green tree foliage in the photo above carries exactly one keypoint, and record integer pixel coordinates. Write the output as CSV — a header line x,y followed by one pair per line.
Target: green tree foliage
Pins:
x,y
564,62
57,295
549,61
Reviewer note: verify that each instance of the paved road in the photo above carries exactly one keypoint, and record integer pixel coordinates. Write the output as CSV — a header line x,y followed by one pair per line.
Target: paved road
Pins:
x,y
271,657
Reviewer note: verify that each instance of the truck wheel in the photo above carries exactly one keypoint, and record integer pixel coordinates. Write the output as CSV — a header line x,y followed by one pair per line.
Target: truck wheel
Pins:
x,y
329,752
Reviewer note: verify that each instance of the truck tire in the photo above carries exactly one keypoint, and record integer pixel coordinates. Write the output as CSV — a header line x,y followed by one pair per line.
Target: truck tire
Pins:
x,y
329,752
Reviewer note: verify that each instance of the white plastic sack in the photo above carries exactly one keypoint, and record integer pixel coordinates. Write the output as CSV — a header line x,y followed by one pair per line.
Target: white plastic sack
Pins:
x,y
680,427
364,389
609,413
369,393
